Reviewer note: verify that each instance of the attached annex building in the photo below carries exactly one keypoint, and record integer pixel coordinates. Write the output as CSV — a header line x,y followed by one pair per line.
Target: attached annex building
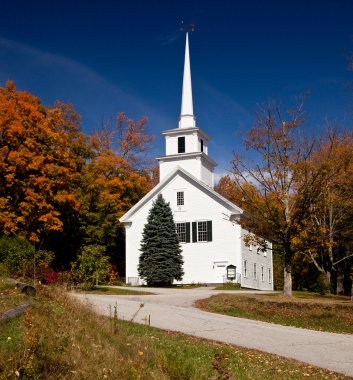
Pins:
x,y
207,223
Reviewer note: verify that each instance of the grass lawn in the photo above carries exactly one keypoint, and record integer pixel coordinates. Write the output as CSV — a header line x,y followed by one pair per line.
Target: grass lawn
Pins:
x,y
114,291
63,339
307,310
190,286
10,297
229,286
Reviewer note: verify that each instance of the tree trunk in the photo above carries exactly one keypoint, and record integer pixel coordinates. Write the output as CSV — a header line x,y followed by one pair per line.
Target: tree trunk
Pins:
x,y
328,282
287,286
340,279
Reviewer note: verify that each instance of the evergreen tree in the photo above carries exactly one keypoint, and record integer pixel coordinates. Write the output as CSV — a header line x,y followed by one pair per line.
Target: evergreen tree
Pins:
x,y
160,261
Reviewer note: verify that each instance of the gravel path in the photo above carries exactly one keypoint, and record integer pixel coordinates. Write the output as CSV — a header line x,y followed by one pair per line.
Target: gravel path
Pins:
x,y
172,309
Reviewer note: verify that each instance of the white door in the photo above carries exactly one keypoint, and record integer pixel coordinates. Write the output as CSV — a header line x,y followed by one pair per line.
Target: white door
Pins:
x,y
220,268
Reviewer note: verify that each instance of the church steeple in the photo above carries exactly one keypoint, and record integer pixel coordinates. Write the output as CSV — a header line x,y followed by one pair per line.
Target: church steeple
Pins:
x,y
187,118
187,145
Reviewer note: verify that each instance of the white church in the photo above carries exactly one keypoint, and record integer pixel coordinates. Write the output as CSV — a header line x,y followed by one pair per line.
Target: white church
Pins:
x,y
207,224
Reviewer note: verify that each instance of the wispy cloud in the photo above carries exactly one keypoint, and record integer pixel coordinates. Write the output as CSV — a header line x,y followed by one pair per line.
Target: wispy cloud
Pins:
x,y
224,108
168,39
226,120
54,76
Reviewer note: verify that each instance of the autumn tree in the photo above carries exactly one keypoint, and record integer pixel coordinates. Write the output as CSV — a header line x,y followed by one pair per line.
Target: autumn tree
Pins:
x,y
114,180
325,235
229,189
41,152
275,190
61,189
129,140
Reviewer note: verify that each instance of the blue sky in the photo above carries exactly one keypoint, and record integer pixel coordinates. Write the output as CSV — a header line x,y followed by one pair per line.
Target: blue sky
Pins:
x,y
108,56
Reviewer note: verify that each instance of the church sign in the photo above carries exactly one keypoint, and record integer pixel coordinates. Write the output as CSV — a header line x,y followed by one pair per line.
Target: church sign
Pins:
x,y
231,272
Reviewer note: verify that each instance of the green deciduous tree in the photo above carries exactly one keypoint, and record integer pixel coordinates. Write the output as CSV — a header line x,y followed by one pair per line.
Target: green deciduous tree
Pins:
x,y
161,260
92,265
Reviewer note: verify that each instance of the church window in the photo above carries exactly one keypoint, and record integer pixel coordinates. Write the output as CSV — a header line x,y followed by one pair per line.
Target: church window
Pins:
x,y
269,276
245,268
202,231
180,198
201,145
181,144
255,274
262,273
183,231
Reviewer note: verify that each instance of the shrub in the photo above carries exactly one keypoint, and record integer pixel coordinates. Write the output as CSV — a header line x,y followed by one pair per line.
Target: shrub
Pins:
x,y
16,254
41,265
51,277
69,277
113,276
20,259
322,285
92,265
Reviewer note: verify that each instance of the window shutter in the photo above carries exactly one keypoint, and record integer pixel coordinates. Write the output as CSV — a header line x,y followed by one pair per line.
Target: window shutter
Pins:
x,y
209,230
181,144
194,232
187,230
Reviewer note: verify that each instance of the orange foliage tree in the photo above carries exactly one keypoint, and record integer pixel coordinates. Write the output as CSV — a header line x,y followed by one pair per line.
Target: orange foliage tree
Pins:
x,y
325,236
61,189
115,180
275,190
299,195
41,152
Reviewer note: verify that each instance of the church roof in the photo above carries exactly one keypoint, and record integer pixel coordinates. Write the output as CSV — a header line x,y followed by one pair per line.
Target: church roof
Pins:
x,y
234,209
180,156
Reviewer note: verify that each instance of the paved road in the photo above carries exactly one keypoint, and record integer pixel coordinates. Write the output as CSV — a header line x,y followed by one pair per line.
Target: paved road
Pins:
x,y
172,309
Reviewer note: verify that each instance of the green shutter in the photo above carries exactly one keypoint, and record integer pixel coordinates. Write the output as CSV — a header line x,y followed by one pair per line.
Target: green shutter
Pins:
x,y
209,230
181,144
194,232
187,229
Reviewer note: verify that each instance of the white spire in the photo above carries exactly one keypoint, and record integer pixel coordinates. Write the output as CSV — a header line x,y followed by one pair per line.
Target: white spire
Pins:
x,y
187,118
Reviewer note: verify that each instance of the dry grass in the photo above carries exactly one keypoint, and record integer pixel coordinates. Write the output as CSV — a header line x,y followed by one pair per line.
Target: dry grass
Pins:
x,y
306,310
114,291
63,339
10,297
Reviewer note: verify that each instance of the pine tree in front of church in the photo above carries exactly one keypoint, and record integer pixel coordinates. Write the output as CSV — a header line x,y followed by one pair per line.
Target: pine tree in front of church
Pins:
x,y
160,261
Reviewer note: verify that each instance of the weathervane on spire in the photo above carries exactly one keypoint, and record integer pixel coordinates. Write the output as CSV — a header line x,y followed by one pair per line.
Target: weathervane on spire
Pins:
x,y
187,27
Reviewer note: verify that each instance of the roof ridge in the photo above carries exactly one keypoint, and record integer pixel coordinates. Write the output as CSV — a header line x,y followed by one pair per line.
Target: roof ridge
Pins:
x,y
128,214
